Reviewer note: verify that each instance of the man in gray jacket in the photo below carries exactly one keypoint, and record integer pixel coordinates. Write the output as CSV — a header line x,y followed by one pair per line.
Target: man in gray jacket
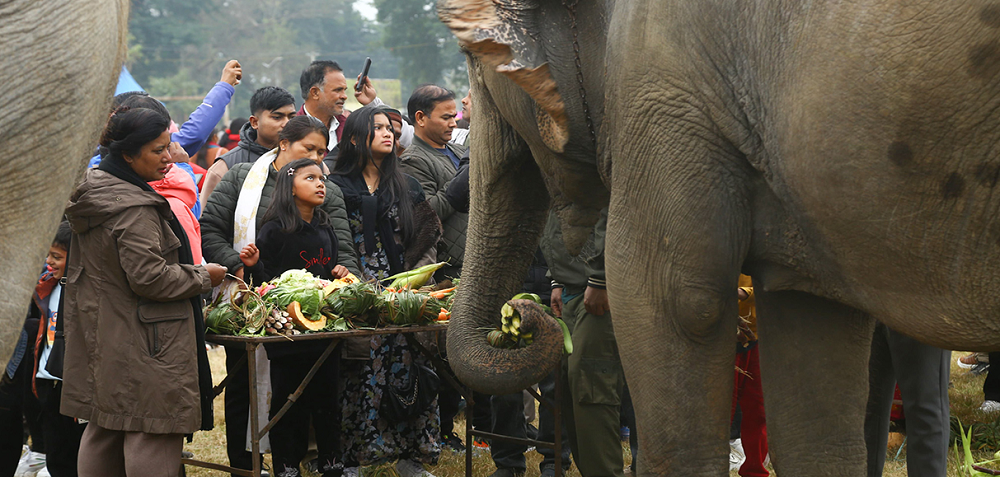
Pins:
x,y
433,161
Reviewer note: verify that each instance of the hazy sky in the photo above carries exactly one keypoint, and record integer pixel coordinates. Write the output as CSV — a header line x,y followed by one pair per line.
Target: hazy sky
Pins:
x,y
366,8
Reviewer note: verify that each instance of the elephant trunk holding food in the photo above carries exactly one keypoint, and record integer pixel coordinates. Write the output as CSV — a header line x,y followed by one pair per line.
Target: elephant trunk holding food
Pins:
x,y
58,65
845,155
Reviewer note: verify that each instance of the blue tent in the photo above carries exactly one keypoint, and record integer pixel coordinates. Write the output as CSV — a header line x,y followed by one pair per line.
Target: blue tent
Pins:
x,y
126,83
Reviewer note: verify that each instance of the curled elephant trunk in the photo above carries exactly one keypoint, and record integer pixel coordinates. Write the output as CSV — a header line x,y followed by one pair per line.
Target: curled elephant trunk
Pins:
x,y
504,371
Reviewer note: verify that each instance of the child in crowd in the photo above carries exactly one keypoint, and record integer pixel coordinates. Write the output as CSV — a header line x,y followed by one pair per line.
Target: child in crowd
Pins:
x,y
32,387
61,433
297,235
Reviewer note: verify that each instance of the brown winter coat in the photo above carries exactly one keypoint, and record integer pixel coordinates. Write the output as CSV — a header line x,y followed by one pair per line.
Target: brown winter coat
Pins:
x,y
131,355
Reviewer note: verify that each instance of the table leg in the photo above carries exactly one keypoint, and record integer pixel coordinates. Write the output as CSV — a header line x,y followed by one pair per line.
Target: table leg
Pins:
x,y
254,418
557,418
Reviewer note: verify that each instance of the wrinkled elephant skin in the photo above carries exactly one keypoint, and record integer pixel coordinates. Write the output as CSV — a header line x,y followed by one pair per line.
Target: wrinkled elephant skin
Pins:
x,y
59,62
844,154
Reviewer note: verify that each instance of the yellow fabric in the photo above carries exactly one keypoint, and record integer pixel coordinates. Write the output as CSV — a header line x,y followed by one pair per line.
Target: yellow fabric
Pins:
x,y
748,310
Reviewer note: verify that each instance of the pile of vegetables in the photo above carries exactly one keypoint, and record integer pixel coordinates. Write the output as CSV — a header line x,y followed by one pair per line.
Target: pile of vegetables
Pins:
x,y
509,336
298,302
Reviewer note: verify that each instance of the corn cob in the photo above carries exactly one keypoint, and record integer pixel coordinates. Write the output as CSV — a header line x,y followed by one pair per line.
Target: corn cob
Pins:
x,y
415,278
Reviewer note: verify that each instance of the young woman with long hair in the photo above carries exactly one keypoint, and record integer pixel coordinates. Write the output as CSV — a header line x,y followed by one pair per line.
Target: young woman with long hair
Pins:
x,y
393,230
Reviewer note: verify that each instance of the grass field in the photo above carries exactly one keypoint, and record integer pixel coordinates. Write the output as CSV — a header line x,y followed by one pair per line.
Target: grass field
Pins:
x,y
965,393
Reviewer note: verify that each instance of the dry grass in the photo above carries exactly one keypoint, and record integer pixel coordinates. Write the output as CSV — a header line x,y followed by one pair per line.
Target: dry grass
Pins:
x,y
966,397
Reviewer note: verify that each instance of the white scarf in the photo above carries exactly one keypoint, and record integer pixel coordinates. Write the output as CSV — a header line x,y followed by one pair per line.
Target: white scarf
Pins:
x,y
245,220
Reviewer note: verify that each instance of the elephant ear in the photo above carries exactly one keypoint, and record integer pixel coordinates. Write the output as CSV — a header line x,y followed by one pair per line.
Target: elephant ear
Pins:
x,y
496,31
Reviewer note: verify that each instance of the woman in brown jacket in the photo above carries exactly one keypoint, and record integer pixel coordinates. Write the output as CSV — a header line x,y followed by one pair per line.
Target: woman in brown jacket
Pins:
x,y
135,365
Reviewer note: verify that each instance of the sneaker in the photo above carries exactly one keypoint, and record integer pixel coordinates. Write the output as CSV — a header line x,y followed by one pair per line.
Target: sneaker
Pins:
x,y
970,360
328,468
409,468
480,443
453,442
624,433
30,464
990,406
44,472
549,472
736,454
979,369
507,473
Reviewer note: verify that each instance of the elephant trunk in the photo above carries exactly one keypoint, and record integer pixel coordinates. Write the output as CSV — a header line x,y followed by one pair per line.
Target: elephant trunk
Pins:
x,y
509,206
504,371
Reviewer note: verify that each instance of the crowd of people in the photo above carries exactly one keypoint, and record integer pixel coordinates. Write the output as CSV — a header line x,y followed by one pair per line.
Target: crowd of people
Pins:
x,y
111,371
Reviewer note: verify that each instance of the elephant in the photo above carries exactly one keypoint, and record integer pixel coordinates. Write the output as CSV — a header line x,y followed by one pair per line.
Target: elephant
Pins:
x,y
843,154
59,62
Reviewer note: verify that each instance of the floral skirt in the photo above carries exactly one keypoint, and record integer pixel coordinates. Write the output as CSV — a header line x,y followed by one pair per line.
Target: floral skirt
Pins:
x,y
367,439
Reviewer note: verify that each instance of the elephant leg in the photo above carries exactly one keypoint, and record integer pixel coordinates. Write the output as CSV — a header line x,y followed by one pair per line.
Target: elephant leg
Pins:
x,y
814,362
675,317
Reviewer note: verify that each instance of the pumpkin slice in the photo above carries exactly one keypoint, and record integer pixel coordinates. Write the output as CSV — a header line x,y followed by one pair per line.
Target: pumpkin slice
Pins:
x,y
301,322
339,283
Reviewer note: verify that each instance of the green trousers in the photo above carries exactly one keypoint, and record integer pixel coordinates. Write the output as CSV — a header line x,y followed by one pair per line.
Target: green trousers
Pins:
x,y
593,377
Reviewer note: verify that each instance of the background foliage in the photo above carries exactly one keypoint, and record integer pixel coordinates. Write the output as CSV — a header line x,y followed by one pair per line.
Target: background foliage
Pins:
x,y
179,47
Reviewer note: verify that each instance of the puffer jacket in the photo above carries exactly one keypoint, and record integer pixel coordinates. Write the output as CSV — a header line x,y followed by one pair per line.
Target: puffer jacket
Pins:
x,y
181,193
434,171
131,361
220,212
248,150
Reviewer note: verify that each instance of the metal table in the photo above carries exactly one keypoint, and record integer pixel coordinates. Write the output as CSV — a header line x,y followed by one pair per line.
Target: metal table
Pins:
x,y
252,342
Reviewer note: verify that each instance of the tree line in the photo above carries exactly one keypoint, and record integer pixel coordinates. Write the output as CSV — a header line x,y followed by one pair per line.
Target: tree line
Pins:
x,y
178,47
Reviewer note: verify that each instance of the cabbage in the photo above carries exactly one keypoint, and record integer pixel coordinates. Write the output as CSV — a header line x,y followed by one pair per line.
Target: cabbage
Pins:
x,y
297,285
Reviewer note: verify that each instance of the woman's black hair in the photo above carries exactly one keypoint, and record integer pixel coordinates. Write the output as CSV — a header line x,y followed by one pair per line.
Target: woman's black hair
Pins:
x,y
138,99
301,126
131,128
283,208
355,154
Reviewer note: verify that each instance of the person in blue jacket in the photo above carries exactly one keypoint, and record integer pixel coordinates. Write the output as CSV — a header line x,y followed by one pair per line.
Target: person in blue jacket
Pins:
x,y
195,131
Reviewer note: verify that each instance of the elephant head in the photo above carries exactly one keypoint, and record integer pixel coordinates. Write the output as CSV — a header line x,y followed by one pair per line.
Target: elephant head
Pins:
x,y
514,40
534,145
58,64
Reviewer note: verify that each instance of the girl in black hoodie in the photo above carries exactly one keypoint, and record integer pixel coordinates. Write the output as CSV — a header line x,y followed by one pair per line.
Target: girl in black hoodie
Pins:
x,y
297,235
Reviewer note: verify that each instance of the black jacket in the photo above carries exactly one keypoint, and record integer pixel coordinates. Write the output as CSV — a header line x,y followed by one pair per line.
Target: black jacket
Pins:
x,y
425,221
247,151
